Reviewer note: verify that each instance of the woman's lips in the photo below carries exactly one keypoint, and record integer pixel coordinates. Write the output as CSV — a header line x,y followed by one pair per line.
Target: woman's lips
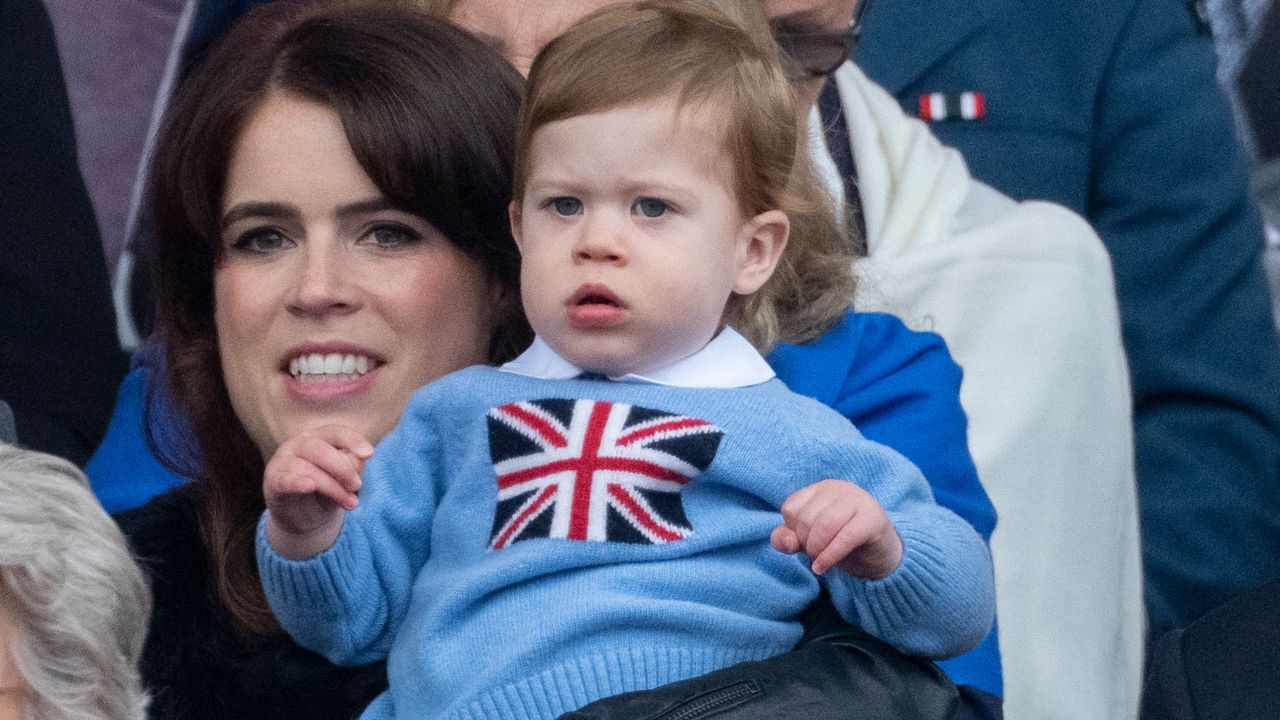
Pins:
x,y
330,366
323,372
330,388
595,306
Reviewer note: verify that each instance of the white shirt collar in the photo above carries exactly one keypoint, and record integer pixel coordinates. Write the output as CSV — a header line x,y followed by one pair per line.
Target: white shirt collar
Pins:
x,y
728,361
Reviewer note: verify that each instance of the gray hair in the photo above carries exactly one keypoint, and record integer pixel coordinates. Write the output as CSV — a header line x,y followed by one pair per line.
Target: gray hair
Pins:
x,y
70,584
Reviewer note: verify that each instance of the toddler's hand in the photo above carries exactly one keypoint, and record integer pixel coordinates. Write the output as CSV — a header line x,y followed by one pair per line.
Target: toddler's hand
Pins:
x,y
839,524
307,484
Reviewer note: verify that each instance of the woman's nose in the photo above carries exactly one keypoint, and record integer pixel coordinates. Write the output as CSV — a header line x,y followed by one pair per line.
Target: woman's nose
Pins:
x,y
324,284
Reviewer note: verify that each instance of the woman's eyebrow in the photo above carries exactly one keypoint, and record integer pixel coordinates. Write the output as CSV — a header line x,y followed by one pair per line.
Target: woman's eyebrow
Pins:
x,y
285,211
364,207
273,210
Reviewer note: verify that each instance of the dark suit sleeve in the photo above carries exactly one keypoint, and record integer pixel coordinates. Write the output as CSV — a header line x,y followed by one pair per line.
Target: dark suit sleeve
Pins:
x,y
59,358
1166,695
1169,196
1221,666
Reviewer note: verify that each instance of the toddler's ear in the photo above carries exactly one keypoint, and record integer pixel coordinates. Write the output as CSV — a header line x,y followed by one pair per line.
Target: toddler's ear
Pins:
x,y
514,213
761,242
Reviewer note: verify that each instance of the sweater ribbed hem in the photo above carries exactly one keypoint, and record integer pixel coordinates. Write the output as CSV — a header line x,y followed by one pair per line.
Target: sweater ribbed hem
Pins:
x,y
571,684
921,607
310,589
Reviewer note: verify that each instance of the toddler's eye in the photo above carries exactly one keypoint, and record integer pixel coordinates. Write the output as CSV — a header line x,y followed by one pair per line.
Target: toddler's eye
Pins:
x,y
651,207
566,205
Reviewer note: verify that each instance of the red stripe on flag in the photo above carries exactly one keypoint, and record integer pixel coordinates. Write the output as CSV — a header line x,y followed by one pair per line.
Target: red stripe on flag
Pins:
x,y
579,516
539,424
681,424
533,473
926,107
529,511
639,513
979,106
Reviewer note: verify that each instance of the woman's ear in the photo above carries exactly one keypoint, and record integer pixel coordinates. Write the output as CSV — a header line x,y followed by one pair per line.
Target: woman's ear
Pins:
x,y
514,213
761,242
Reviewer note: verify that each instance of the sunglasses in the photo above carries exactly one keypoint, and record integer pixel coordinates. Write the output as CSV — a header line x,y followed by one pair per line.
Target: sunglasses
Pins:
x,y
814,54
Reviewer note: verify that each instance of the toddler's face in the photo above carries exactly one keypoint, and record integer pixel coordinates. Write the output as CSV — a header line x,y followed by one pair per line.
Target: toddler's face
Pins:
x,y
631,238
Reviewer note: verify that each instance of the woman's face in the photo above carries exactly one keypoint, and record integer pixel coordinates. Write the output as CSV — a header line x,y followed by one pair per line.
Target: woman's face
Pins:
x,y
331,306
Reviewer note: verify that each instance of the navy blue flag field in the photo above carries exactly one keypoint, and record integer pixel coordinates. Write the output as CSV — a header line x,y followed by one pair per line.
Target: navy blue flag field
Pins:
x,y
594,470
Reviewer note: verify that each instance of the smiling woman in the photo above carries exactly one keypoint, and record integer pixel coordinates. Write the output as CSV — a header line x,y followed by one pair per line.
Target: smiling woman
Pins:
x,y
330,234
327,294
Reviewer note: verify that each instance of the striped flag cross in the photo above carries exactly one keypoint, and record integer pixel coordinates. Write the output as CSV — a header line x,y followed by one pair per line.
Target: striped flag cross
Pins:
x,y
594,470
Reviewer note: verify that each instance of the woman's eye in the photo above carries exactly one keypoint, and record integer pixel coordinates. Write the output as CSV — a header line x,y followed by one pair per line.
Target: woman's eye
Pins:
x,y
566,205
651,207
393,236
259,242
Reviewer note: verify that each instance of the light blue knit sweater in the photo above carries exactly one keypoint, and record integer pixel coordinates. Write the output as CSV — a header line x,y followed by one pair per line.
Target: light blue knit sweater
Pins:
x,y
531,587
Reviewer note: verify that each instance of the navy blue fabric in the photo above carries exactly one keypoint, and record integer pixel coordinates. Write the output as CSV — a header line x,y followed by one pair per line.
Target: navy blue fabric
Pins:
x,y
1111,108
836,129
1221,667
975,704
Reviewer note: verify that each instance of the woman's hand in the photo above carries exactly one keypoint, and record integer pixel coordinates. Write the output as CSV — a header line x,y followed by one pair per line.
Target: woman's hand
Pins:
x,y
839,524
312,478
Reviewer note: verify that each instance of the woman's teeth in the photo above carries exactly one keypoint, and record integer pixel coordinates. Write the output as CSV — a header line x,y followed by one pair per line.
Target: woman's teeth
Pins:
x,y
331,367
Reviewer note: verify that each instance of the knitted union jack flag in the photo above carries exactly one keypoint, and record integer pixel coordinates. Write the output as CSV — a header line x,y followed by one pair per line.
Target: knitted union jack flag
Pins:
x,y
593,470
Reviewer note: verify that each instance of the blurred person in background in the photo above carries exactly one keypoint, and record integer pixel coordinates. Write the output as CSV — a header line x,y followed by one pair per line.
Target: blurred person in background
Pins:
x,y
59,359
1112,110
73,603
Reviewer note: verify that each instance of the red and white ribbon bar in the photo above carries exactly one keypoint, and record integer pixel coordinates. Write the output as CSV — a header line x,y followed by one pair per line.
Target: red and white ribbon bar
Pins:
x,y
968,105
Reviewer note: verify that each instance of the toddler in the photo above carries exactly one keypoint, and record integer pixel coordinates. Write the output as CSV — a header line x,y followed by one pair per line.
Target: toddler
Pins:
x,y
630,502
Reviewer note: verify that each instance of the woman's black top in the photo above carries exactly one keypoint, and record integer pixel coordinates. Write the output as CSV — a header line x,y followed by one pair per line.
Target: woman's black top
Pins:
x,y
195,665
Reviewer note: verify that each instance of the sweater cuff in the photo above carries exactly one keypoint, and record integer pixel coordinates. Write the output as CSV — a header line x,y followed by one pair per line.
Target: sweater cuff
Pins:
x,y
316,589
939,602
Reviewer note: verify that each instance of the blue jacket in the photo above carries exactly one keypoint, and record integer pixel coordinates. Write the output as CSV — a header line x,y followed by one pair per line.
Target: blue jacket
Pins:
x,y
1111,109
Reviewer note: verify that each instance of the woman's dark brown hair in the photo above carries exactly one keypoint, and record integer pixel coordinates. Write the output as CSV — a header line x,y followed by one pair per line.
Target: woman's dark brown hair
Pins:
x,y
430,113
